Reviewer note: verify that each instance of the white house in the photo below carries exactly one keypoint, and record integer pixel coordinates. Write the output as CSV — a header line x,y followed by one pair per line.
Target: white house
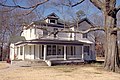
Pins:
x,y
42,41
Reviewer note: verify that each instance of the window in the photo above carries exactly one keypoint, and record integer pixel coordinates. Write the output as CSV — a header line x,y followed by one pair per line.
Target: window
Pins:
x,y
54,50
21,50
86,49
30,32
70,35
42,51
45,33
35,31
17,50
48,49
85,35
52,21
30,50
60,50
72,50
51,49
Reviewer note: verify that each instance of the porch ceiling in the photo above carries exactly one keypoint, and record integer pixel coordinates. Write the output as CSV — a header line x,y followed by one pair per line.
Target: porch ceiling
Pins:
x,y
51,41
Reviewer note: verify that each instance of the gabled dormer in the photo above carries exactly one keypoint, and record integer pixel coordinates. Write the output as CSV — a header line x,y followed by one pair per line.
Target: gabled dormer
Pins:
x,y
52,18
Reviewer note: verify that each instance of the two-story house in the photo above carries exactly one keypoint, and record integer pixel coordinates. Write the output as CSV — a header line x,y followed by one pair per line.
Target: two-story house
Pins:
x,y
42,41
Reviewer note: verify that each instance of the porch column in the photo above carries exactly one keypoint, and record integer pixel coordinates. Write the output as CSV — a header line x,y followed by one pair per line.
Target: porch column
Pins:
x,y
65,53
23,52
82,52
45,52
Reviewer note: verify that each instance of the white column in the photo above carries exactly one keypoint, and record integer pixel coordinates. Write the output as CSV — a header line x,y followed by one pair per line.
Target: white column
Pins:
x,y
23,52
82,52
65,53
45,52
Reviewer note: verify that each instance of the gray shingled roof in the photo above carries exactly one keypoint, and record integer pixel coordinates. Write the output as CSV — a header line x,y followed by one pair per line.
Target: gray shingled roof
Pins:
x,y
14,39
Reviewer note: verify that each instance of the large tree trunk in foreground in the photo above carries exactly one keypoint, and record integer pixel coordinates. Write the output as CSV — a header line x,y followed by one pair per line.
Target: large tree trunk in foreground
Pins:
x,y
111,49
108,7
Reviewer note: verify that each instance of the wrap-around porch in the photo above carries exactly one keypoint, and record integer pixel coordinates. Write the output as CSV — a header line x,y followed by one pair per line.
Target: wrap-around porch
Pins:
x,y
50,52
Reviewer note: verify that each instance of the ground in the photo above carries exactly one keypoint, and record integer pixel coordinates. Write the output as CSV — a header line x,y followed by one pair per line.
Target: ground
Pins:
x,y
59,72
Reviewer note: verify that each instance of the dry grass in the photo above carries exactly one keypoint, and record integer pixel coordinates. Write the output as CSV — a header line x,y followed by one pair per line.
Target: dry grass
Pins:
x,y
3,65
60,72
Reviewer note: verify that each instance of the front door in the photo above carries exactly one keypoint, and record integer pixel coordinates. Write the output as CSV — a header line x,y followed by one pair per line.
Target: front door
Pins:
x,y
60,51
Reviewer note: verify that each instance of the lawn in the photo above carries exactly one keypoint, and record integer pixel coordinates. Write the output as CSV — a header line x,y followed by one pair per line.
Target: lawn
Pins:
x,y
59,72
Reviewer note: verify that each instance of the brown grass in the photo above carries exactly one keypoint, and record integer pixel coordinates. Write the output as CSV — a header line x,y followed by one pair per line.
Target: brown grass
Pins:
x,y
3,65
59,72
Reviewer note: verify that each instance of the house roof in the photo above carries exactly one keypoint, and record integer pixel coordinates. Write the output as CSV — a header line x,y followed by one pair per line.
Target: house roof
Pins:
x,y
52,16
14,39
42,22
85,40
86,20
52,41
83,20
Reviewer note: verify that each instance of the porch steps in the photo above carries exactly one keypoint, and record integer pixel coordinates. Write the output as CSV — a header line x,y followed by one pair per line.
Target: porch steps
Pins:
x,y
29,63
76,61
38,63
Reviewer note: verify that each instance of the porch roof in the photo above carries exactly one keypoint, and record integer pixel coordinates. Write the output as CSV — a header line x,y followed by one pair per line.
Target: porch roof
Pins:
x,y
52,41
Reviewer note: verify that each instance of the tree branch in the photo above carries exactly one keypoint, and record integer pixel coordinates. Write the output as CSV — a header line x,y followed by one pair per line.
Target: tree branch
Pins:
x,y
81,32
18,6
98,4
77,3
86,31
116,29
118,8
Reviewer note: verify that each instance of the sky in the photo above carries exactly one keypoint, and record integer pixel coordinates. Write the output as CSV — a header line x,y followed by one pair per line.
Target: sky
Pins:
x,y
51,9
46,9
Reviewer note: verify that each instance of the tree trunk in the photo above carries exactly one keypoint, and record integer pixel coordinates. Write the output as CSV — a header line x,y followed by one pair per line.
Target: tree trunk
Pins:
x,y
111,49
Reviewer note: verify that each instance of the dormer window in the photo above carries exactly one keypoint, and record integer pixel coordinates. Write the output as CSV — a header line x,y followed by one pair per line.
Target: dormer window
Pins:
x,y
52,21
52,18
85,35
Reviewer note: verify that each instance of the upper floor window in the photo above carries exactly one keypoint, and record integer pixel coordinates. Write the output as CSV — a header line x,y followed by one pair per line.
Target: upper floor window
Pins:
x,y
30,32
85,35
21,50
52,21
45,33
35,31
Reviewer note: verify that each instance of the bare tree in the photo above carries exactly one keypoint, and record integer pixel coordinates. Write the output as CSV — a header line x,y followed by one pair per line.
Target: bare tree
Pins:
x,y
109,10
3,30
108,7
16,5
